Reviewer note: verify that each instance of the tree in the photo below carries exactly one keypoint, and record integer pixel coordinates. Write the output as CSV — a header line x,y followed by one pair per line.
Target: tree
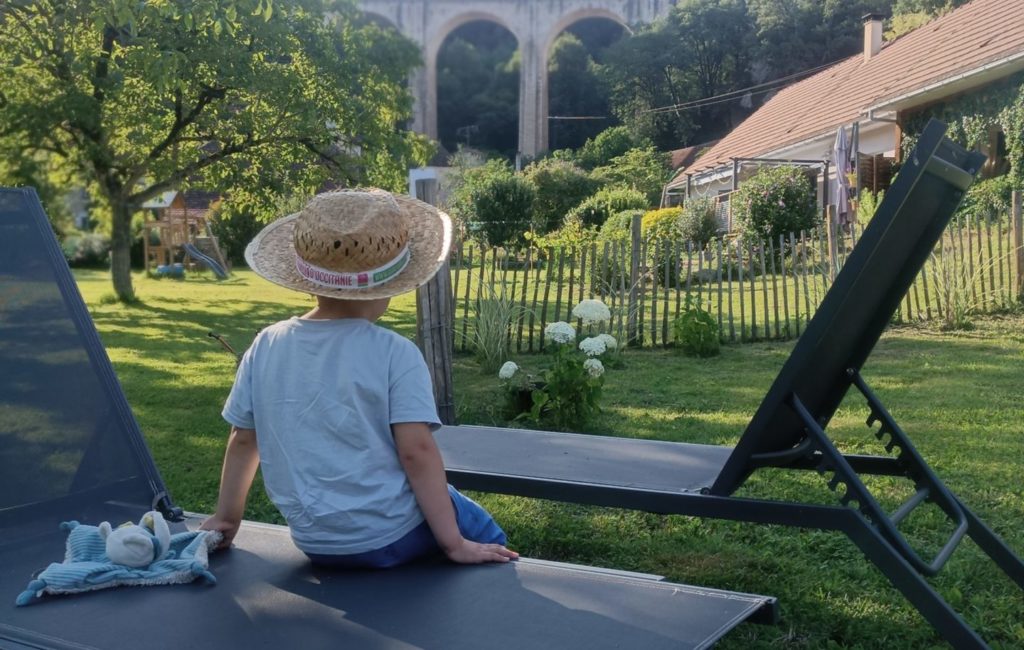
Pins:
x,y
574,90
701,49
560,186
644,72
608,144
642,169
796,35
256,98
478,89
717,35
503,208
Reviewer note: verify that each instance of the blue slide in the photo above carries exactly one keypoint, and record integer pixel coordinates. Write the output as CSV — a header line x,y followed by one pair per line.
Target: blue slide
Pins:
x,y
214,266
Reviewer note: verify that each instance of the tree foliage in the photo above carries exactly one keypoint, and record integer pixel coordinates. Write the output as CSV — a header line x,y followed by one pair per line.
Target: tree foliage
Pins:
x,y
795,35
642,169
607,144
255,98
503,208
478,89
560,186
595,210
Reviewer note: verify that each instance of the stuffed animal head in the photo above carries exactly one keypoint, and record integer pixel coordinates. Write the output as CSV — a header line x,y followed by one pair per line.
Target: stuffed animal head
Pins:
x,y
137,545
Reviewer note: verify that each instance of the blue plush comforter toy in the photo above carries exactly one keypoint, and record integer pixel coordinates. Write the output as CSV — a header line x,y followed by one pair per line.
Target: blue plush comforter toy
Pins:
x,y
87,566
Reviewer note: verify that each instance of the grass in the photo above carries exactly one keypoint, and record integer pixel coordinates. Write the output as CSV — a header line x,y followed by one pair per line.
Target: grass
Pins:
x,y
957,394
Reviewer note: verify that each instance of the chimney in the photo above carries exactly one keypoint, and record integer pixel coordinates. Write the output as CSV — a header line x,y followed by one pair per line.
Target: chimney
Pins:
x,y
872,35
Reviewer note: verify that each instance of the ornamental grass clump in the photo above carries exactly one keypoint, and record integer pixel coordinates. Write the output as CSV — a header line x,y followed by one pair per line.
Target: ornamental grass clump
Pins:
x,y
566,395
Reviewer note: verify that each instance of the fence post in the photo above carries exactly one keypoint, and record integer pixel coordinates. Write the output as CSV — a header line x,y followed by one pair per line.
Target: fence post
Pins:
x,y
634,282
435,321
1018,241
833,245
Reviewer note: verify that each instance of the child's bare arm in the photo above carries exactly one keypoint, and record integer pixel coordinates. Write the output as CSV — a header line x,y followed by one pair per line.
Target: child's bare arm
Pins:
x,y
422,463
240,462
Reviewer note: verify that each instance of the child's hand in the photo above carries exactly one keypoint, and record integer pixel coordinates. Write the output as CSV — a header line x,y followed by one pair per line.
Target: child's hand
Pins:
x,y
226,528
473,553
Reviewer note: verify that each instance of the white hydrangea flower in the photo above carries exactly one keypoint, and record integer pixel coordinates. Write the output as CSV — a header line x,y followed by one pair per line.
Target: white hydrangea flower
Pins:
x,y
592,346
560,332
508,370
609,341
594,367
591,311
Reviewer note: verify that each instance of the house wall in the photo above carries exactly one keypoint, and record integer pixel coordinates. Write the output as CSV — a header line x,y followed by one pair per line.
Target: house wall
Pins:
x,y
875,138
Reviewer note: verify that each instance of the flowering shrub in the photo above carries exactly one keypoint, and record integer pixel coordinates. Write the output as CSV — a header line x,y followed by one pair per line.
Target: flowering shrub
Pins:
x,y
774,201
698,222
591,311
565,395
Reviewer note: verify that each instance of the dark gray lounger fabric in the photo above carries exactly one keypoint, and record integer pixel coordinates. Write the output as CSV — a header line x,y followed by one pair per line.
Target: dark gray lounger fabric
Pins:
x,y
269,596
627,462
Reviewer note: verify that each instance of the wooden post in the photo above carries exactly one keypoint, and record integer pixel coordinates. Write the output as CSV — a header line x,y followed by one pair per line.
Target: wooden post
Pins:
x,y
1018,241
833,252
434,323
632,309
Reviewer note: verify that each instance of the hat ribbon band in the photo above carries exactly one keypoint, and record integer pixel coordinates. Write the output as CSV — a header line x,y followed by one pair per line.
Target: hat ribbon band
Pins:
x,y
347,280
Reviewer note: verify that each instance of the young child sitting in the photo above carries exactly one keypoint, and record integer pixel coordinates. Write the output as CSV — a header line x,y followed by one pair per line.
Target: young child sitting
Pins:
x,y
340,412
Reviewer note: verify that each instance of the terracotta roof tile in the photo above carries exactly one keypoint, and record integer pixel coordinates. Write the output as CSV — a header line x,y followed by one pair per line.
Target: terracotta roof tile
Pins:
x,y
685,156
978,33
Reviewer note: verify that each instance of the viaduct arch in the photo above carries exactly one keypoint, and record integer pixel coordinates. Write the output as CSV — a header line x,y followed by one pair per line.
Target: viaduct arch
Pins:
x,y
534,23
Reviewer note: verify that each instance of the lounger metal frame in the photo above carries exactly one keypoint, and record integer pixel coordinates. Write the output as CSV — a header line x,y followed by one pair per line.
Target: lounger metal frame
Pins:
x,y
789,430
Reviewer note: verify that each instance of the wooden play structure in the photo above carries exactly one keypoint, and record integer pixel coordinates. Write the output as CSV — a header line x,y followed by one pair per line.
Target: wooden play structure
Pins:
x,y
181,232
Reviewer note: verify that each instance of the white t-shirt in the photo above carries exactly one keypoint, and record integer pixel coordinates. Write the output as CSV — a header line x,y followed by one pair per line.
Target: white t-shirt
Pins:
x,y
322,395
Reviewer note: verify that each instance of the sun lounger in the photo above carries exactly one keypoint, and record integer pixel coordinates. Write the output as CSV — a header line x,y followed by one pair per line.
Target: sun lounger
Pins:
x,y
71,450
789,429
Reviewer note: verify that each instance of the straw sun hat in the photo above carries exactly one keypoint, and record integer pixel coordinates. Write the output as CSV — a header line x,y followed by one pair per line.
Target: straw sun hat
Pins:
x,y
353,244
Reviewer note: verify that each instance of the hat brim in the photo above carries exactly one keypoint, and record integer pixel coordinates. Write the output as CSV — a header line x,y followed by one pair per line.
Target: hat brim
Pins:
x,y
271,254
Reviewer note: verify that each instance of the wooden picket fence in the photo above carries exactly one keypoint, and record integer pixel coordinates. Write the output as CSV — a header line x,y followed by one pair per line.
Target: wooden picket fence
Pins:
x,y
757,292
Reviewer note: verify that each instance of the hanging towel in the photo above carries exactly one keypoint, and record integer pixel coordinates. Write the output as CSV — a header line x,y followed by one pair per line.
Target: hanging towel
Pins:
x,y
86,566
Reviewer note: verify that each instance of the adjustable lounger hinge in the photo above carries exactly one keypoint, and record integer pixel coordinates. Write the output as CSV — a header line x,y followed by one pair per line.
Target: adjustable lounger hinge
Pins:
x,y
162,504
928,487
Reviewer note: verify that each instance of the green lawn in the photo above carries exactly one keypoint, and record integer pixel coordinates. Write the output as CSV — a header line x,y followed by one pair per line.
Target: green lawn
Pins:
x,y
957,394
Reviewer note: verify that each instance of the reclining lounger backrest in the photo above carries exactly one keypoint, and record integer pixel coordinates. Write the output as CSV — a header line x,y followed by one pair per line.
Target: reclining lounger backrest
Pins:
x,y
861,302
69,445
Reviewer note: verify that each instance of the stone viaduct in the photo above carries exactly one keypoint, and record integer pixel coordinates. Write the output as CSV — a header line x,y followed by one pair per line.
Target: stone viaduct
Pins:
x,y
534,23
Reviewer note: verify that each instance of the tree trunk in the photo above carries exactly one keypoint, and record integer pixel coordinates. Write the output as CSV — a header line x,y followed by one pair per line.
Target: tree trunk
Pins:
x,y
120,249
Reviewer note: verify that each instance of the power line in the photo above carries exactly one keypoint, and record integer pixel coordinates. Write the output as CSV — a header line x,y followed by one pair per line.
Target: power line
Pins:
x,y
767,86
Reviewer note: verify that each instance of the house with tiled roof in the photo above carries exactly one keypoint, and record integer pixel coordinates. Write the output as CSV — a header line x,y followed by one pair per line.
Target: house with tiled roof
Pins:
x,y
872,95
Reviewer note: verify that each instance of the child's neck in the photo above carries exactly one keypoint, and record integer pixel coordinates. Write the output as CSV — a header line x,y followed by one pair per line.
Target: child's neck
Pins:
x,y
332,309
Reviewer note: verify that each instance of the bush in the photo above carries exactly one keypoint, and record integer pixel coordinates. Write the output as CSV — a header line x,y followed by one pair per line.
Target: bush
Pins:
x,y
867,205
559,186
503,208
775,201
642,169
86,250
234,229
468,174
988,199
662,224
608,144
566,395
619,226
695,331
661,228
597,209
699,222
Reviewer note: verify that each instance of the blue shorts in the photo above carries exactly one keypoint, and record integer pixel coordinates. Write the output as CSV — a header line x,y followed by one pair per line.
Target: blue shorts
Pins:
x,y
475,524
